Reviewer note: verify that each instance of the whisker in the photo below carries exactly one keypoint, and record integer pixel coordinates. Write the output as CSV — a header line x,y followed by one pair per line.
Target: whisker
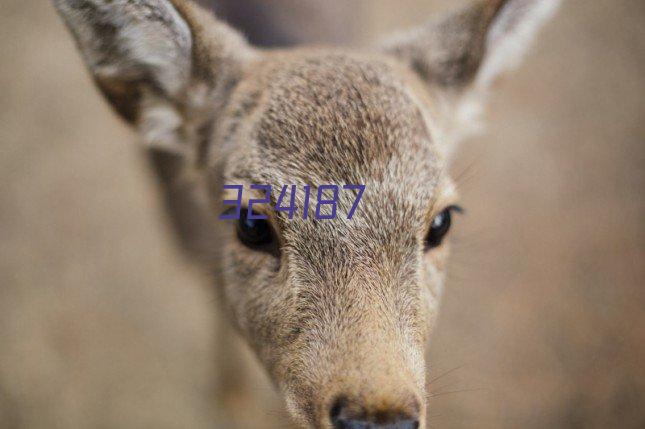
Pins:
x,y
433,416
465,176
440,376
450,392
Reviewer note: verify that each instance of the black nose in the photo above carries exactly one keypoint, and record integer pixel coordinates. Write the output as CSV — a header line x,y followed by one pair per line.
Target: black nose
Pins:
x,y
345,415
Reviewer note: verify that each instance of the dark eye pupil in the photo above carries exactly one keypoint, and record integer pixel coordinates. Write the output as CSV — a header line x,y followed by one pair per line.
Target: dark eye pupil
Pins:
x,y
253,232
438,229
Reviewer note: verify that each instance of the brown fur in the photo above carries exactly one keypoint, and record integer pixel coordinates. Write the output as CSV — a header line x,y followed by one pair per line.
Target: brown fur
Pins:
x,y
344,309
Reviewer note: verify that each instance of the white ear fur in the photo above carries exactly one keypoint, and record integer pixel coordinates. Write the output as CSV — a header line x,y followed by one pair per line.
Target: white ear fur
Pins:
x,y
165,65
508,40
140,55
462,54
510,36
126,42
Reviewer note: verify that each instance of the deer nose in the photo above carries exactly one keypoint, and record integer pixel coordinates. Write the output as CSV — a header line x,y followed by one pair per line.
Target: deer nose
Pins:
x,y
345,415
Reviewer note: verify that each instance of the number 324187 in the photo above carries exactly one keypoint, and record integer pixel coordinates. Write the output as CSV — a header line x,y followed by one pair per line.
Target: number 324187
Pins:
x,y
324,209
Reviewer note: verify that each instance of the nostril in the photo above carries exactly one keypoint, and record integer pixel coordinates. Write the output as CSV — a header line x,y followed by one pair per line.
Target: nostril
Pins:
x,y
345,415
407,424
338,415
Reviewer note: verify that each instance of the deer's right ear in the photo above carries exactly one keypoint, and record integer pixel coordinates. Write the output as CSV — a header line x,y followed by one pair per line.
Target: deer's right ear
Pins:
x,y
463,53
159,62
474,45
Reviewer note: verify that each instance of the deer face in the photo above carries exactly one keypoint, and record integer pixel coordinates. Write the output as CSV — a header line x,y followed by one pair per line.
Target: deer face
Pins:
x,y
337,310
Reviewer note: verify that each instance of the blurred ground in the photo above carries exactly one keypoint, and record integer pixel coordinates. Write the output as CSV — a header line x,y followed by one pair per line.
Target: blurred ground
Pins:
x,y
103,324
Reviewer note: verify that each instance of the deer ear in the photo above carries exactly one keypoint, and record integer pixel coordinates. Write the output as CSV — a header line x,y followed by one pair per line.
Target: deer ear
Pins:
x,y
464,52
149,56
461,54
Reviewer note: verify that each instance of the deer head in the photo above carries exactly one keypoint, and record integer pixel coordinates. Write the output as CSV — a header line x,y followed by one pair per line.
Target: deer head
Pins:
x,y
338,311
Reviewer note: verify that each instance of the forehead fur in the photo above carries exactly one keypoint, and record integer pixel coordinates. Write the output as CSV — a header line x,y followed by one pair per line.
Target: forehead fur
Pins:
x,y
330,117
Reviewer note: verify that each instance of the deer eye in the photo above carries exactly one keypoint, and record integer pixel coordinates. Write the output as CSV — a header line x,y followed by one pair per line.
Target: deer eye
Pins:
x,y
254,233
440,226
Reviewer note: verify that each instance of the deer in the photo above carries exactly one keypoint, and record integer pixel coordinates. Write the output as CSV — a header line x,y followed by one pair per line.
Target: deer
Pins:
x,y
338,311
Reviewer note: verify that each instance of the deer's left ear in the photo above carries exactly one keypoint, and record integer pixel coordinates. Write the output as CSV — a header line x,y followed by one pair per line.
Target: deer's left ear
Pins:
x,y
464,52
160,63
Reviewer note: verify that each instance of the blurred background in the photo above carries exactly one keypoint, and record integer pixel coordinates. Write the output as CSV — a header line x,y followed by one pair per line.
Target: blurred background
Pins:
x,y
103,323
